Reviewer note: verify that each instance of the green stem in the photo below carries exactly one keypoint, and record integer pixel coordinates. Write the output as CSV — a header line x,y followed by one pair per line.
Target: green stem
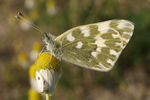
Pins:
x,y
47,97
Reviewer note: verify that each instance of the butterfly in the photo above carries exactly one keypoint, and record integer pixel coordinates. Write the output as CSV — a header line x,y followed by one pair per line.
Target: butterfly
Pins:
x,y
95,46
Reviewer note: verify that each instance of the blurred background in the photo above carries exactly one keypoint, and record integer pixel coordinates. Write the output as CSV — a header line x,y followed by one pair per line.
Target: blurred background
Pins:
x,y
20,44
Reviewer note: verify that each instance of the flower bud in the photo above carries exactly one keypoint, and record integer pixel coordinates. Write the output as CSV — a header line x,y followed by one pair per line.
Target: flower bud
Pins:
x,y
47,71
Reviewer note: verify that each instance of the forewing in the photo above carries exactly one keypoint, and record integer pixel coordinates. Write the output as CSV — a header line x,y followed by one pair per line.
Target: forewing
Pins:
x,y
125,29
95,46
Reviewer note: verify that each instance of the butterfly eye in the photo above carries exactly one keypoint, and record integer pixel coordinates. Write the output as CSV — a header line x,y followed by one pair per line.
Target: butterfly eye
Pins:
x,y
44,38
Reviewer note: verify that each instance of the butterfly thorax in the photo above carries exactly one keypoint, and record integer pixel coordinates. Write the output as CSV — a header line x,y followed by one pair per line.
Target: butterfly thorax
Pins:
x,y
49,42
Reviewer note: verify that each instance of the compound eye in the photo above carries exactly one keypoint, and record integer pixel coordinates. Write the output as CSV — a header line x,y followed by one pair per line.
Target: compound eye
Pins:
x,y
43,37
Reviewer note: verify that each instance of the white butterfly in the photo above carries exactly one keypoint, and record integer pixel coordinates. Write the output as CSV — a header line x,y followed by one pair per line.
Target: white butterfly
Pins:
x,y
95,46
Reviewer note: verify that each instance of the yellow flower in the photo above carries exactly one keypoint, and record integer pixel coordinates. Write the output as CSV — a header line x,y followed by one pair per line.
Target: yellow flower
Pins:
x,y
47,71
22,58
33,82
51,7
36,47
32,95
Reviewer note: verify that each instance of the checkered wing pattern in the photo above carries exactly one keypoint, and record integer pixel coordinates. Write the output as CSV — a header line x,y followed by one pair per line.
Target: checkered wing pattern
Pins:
x,y
95,46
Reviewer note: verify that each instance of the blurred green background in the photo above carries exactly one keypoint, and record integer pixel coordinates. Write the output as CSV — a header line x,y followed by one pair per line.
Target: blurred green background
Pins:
x,y
128,80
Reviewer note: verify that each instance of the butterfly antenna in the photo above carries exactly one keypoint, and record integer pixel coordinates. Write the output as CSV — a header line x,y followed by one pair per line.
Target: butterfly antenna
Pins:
x,y
30,23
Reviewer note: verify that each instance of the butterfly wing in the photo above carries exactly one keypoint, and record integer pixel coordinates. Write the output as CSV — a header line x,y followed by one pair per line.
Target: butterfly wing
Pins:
x,y
95,46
